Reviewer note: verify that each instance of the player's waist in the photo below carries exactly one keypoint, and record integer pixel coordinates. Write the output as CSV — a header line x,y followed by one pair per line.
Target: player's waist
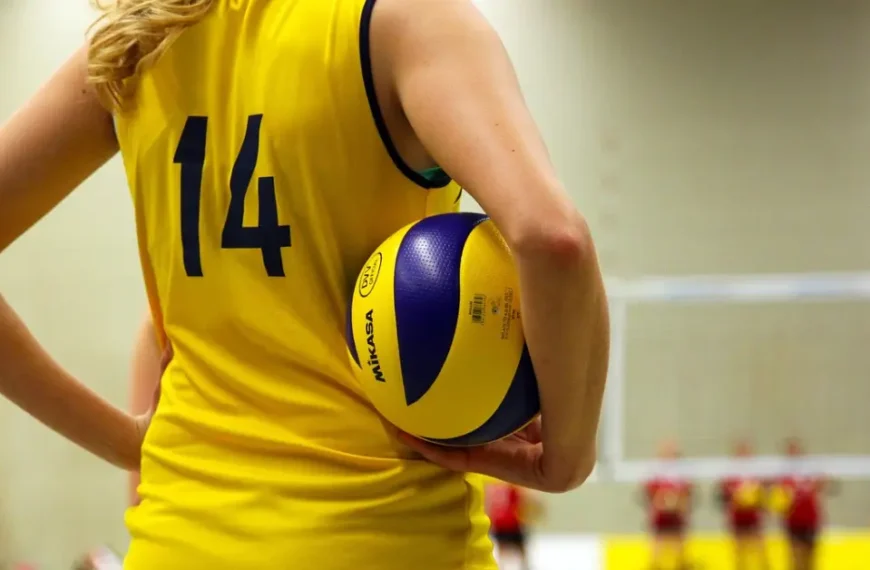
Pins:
x,y
304,507
329,549
745,514
311,427
803,515
668,516
339,461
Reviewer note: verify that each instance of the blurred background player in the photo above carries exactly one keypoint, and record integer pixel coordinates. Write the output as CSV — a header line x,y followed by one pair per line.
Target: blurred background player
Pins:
x,y
798,499
742,500
668,499
510,509
102,558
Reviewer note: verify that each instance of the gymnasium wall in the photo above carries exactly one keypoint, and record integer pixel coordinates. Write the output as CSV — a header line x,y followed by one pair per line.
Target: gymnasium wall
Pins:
x,y
706,137
715,138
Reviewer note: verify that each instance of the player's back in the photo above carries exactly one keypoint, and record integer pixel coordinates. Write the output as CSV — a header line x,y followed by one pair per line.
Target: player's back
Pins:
x,y
261,185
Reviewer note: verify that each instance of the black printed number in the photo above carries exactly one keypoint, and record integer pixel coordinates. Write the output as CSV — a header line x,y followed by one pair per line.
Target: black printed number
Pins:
x,y
267,236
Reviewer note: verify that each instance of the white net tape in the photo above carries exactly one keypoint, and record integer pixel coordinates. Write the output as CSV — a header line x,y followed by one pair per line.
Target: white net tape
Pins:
x,y
742,288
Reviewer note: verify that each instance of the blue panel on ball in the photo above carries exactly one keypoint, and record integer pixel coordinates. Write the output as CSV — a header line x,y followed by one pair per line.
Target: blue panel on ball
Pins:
x,y
520,405
348,332
426,292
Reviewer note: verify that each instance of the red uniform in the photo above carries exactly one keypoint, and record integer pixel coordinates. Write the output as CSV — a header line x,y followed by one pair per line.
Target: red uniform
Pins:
x,y
804,515
741,518
668,501
503,506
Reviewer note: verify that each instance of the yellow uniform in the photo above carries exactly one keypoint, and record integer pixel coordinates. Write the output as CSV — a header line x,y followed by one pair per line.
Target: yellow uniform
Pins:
x,y
261,184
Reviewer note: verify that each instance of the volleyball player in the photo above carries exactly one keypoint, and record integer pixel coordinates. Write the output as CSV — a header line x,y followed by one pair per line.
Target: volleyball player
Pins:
x,y
668,500
803,513
742,499
270,146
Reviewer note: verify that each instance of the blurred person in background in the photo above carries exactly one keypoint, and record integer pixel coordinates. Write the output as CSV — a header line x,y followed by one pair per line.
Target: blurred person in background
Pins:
x,y
510,508
742,500
798,499
668,499
102,558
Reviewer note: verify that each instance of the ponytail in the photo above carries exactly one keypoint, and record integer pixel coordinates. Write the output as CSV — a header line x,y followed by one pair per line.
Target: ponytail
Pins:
x,y
130,35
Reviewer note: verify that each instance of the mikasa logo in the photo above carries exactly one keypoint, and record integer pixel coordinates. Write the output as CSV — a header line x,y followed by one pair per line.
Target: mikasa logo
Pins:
x,y
373,362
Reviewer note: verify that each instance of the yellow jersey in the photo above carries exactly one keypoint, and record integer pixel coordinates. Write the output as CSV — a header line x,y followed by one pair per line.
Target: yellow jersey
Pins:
x,y
262,178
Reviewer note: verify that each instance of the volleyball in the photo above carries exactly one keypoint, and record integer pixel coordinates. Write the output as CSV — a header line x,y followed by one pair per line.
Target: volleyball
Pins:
x,y
435,335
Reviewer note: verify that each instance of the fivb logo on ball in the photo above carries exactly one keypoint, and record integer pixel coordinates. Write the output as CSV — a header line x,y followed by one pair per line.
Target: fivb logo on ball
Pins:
x,y
369,275
367,281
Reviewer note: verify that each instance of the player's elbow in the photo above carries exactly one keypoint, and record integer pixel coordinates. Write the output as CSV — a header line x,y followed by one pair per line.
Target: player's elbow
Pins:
x,y
561,238
579,472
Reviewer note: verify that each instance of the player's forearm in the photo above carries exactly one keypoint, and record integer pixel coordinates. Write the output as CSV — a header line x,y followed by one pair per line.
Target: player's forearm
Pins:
x,y
32,380
566,322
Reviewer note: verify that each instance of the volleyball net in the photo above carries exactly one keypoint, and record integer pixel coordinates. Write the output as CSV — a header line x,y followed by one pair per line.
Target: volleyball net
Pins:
x,y
710,359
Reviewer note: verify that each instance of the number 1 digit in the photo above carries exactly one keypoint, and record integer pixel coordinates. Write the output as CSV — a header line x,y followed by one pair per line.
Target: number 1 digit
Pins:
x,y
190,154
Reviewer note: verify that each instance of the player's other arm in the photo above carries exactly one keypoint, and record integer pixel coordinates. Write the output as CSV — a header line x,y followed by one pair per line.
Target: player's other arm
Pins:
x,y
56,141
457,87
145,375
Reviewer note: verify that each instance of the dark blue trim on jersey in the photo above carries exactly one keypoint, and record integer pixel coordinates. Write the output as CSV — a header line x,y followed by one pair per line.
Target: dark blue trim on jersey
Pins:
x,y
375,108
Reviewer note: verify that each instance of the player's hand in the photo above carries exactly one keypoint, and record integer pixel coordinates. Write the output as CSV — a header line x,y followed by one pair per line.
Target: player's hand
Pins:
x,y
516,459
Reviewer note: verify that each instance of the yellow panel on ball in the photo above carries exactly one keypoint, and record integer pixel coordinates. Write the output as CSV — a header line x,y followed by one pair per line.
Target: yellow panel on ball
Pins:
x,y
435,332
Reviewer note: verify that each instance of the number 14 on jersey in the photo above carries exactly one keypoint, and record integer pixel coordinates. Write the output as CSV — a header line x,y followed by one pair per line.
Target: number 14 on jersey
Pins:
x,y
267,236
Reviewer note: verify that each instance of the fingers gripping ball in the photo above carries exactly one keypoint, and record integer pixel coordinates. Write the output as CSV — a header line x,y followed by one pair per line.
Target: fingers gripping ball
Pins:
x,y
435,333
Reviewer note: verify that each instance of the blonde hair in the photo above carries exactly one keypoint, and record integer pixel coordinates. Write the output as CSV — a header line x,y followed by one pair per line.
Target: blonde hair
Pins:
x,y
130,35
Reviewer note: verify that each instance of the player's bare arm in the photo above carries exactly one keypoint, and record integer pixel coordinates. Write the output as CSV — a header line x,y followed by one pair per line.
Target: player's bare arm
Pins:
x,y
442,69
56,141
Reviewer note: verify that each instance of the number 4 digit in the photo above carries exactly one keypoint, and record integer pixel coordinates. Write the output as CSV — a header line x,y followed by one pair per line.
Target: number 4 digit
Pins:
x,y
267,236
